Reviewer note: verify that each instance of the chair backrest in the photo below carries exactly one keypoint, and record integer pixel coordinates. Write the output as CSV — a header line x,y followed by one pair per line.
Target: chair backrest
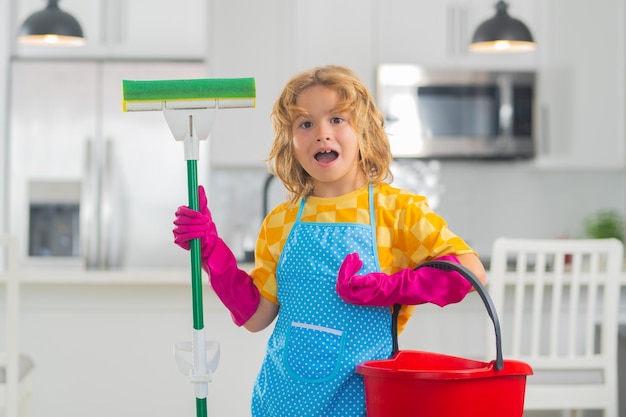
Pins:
x,y
9,350
558,300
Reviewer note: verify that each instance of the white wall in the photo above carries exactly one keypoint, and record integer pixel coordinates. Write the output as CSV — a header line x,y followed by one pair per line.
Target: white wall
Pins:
x,y
516,199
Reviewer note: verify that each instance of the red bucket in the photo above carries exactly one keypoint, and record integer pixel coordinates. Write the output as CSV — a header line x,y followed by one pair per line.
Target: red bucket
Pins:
x,y
424,384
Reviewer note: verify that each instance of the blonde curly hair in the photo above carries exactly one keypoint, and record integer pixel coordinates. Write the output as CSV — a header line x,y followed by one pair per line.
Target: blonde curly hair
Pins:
x,y
374,151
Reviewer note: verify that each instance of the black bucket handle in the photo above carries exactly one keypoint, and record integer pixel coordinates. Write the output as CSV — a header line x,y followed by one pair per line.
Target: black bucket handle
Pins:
x,y
481,290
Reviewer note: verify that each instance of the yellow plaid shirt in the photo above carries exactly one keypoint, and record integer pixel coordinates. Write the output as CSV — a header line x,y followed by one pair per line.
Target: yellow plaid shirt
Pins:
x,y
408,232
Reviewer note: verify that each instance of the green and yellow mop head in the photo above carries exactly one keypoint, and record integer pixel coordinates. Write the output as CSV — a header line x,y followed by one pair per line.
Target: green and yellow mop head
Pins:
x,y
210,93
189,107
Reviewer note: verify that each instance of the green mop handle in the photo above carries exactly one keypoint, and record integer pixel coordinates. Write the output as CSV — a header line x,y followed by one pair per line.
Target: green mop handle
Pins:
x,y
196,273
196,259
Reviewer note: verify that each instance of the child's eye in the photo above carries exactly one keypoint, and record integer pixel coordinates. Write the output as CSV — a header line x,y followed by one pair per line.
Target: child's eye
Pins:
x,y
306,125
336,120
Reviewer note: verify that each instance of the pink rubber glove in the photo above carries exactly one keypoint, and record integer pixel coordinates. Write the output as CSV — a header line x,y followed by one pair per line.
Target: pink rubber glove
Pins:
x,y
191,224
407,287
233,286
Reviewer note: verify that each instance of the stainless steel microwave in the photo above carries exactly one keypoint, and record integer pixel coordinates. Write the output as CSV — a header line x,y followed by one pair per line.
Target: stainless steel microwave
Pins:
x,y
457,114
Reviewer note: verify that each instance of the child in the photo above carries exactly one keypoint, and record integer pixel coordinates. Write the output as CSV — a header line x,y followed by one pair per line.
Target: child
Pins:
x,y
331,152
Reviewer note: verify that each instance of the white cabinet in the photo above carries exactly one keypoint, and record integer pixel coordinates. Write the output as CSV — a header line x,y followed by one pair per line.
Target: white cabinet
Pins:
x,y
437,33
337,32
251,43
581,84
128,28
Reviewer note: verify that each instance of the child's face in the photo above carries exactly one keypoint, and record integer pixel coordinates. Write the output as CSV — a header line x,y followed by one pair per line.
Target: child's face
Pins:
x,y
325,143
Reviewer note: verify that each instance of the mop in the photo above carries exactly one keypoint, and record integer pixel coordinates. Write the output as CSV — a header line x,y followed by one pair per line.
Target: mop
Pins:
x,y
189,107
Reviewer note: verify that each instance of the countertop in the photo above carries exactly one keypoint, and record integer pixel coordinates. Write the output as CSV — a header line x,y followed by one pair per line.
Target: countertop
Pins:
x,y
109,277
127,277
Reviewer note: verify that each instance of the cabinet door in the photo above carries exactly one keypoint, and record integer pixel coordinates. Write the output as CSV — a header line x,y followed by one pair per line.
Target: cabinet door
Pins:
x,y
148,28
581,84
437,34
421,32
337,32
258,46
129,28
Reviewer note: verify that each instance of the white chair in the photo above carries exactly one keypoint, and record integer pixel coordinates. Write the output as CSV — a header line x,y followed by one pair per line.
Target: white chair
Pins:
x,y
15,369
558,303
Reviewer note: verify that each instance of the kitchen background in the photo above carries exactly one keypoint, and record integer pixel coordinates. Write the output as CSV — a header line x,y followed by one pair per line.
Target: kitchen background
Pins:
x,y
102,339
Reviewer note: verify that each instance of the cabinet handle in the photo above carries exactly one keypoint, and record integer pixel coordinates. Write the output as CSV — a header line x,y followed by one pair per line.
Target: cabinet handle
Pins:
x,y
451,30
456,30
545,130
113,21
505,85
88,214
462,39
106,207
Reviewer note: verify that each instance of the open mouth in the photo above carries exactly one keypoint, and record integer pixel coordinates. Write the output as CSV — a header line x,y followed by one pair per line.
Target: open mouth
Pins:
x,y
326,156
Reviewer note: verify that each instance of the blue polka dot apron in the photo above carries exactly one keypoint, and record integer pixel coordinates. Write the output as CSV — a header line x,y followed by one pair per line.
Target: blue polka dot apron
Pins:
x,y
318,339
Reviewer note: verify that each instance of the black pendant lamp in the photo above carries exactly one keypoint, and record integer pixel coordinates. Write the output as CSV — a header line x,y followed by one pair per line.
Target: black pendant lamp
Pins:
x,y
51,26
502,34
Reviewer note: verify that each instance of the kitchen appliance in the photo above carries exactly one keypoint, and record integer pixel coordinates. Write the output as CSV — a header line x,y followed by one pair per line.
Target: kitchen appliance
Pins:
x,y
53,218
457,114
82,187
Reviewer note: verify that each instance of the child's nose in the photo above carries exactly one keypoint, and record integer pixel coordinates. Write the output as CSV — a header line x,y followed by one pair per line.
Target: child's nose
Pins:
x,y
323,132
